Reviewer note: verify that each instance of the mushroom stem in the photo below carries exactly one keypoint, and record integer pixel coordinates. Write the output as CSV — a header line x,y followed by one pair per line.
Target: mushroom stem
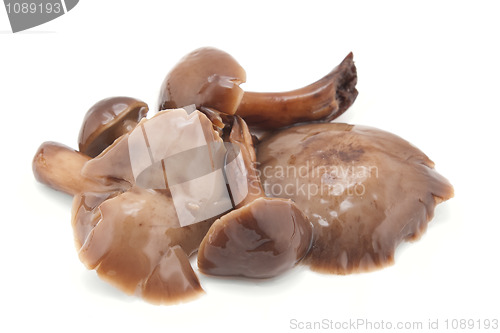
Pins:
x,y
325,99
59,166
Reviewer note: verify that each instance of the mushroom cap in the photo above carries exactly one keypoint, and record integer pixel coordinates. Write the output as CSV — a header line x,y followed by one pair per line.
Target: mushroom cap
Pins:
x,y
107,120
364,190
134,241
259,240
206,77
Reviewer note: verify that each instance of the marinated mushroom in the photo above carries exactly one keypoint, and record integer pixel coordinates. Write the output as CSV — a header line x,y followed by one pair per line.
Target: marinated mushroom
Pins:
x,y
205,77
107,120
127,223
138,245
210,78
325,100
263,237
139,239
150,193
364,190
137,156
59,167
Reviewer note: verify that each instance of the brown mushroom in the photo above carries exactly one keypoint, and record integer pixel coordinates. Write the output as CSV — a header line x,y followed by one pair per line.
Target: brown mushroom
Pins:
x,y
364,190
129,221
85,213
139,239
107,120
140,152
150,196
205,77
138,245
210,79
59,167
325,100
263,237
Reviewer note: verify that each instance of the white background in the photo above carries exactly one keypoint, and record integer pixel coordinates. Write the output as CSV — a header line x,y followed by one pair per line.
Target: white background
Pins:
x,y
428,72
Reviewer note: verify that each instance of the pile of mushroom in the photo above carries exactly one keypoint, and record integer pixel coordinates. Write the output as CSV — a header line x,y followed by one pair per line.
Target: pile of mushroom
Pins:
x,y
150,193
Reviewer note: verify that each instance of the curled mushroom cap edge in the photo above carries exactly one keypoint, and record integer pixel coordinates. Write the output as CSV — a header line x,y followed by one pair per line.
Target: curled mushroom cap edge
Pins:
x,y
107,120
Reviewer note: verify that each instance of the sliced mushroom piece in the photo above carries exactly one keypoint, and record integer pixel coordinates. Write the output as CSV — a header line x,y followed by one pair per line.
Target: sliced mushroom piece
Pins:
x,y
263,237
139,246
210,78
364,190
107,120
59,167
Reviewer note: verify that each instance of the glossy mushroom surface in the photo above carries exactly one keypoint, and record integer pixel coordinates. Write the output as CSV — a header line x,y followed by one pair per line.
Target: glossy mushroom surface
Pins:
x,y
264,237
205,77
138,245
107,120
138,238
137,156
210,79
259,240
149,193
364,190
325,99
59,167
